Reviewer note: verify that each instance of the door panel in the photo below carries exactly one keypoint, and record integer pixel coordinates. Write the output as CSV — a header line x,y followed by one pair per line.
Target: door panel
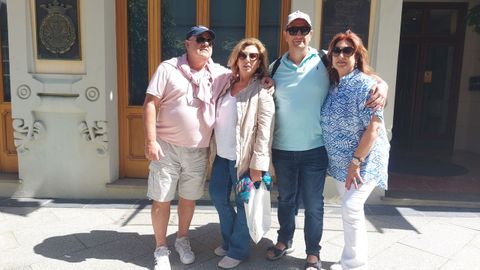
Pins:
x,y
149,31
435,106
8,154
431,50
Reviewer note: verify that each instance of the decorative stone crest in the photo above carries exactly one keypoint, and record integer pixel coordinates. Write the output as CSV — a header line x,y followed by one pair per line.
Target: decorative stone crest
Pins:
x,y
23,135
57,31
97,134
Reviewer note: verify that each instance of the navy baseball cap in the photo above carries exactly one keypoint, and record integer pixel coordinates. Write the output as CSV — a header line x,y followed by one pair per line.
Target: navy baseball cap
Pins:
x,y
198,30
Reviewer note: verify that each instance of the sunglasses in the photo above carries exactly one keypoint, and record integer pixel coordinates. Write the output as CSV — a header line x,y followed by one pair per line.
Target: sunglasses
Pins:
x,y
252,56
304,30
347,51
203,40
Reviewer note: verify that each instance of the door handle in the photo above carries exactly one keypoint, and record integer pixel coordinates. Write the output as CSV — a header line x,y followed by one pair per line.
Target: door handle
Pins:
x,y
427,76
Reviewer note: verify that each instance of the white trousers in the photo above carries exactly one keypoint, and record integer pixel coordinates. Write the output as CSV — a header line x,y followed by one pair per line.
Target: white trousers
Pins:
x,y
355,250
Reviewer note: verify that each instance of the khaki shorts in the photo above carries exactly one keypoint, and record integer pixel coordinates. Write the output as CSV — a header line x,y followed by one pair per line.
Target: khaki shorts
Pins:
x,y
184,167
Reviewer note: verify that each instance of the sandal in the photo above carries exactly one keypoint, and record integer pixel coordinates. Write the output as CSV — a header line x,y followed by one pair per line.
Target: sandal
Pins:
x,y
314,265
279,253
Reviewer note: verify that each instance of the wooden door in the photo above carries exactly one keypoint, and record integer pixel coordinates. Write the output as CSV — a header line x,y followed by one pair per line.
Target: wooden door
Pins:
x,y
149,31
430,59
8,154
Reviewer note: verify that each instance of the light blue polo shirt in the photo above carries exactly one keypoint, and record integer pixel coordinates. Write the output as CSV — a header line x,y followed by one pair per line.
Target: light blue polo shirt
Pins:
x,y
299,95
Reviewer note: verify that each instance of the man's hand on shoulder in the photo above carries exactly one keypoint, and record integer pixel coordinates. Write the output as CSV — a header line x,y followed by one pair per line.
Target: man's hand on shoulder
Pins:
x,y
378,95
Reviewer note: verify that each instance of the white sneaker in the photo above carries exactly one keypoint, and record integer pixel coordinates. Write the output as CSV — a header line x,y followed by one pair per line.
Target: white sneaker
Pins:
x,y
182,246
161,258
220,252
228,263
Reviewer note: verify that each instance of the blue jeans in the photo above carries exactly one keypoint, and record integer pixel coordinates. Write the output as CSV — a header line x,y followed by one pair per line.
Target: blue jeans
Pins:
x,y
233,225
301,173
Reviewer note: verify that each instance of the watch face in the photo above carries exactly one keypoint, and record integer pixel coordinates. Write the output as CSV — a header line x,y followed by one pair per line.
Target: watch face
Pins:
x,y
356,162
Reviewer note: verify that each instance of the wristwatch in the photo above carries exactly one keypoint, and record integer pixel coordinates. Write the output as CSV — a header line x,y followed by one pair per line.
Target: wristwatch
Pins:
x,y
357,161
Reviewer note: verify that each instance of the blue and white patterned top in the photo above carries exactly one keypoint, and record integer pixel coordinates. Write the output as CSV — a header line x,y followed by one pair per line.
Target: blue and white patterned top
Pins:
x,y
344,120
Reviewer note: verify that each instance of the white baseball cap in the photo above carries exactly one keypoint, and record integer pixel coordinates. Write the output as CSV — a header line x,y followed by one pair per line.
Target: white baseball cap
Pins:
x,y
299,15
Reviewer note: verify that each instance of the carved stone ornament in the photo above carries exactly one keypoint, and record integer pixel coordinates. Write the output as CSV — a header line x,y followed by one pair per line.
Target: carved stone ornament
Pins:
x,y
92,93
57,31
23,91
97,134
23,135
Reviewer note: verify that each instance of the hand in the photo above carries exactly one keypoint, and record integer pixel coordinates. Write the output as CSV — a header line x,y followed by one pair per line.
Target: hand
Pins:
x,y
353,176
268,83
153,151
378,96
255,175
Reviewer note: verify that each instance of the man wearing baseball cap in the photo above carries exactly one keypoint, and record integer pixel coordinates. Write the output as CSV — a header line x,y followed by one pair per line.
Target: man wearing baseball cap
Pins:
x,y
299,158
183,91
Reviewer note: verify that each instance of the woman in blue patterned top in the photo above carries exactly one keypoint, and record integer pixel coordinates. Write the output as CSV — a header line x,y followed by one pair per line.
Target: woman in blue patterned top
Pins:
x,y
356,141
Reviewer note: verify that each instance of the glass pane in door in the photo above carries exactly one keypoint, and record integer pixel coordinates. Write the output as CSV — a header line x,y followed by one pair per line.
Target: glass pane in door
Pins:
x,y
137,51
4,52
437,83
227,19
405,91
178,16
443,22
269,32
411,21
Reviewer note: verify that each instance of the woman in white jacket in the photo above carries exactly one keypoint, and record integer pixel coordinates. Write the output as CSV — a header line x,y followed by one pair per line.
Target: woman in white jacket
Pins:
x,y
243,135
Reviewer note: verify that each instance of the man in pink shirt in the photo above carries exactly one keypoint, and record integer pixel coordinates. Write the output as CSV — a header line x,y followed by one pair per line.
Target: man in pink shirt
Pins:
x,y
183,91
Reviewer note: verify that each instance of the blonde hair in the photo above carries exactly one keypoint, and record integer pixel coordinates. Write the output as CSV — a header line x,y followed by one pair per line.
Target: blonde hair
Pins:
x,y
262,69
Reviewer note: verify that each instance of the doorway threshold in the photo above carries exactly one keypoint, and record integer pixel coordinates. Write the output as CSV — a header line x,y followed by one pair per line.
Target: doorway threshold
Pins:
x,y
448,199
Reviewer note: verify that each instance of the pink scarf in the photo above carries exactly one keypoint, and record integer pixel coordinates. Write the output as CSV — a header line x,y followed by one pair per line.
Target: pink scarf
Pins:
x,y
202,87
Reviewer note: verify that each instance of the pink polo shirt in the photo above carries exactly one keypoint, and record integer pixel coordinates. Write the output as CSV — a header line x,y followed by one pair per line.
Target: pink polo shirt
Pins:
x,y
179,119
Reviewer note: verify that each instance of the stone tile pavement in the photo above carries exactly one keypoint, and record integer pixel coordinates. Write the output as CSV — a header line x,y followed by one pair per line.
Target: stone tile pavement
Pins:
x,y
54,234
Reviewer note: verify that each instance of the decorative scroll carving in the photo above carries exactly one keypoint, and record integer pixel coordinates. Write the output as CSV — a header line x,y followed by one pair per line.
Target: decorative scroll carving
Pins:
x,y
97,134
23,135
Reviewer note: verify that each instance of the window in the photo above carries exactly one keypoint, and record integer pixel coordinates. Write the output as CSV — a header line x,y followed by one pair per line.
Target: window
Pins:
x,y
4,58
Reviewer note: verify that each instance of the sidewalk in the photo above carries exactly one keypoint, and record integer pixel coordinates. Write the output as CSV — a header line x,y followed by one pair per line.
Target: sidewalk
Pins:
x,y
95,234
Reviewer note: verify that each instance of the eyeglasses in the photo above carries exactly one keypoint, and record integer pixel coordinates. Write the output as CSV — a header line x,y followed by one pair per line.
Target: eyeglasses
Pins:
x,y
201,40
304,30
243,56
347,51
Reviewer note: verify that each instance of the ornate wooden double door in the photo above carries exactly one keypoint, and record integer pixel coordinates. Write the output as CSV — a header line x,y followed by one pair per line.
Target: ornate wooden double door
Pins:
x,y
149,31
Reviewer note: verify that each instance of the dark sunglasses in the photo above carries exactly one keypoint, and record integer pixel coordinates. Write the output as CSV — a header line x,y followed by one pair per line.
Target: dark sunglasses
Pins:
x,y
243,56
347,51
203,40
304,30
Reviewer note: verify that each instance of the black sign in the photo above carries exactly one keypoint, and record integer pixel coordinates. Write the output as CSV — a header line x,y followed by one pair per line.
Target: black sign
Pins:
x,y
341,15
57,29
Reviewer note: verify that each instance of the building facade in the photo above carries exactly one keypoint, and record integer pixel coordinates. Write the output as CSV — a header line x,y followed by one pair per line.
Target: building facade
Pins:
x,y
74,75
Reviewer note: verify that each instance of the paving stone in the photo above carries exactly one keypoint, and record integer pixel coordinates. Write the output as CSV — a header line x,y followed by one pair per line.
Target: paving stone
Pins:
x,y
7,241
476,241
58,246
453,237
402,257
471,223
467,258
10,258
124,249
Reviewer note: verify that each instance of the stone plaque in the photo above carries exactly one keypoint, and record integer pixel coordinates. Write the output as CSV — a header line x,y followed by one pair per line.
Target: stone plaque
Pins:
x,y
58,35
